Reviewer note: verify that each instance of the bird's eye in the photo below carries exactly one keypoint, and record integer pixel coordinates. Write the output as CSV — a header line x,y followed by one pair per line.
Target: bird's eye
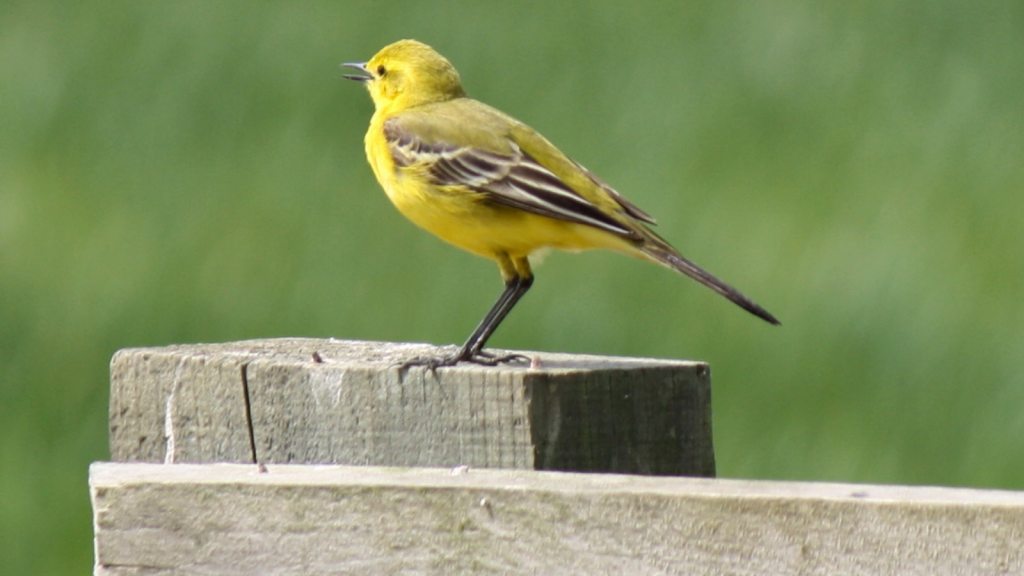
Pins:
x,y
381,70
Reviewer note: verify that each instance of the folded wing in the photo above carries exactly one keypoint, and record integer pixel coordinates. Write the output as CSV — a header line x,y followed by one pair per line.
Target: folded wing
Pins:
x,y
514,179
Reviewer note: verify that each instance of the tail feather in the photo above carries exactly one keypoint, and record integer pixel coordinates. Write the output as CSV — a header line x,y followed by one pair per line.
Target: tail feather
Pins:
x,y
667,256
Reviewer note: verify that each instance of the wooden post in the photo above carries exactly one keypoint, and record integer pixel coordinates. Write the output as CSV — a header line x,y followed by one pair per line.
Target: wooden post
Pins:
x,y
316,401
347,402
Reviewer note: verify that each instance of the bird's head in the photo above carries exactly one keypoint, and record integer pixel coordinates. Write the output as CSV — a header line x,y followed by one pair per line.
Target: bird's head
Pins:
x,y
406,74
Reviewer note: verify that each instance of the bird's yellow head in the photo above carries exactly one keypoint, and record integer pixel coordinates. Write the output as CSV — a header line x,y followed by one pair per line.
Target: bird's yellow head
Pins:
x,y
406,74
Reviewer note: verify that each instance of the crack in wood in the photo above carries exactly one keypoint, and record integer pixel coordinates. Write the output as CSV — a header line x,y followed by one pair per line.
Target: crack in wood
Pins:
x,y
248,412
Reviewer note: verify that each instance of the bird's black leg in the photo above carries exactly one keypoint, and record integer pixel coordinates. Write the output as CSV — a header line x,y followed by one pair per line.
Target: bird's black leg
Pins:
x,y
471,351
518,279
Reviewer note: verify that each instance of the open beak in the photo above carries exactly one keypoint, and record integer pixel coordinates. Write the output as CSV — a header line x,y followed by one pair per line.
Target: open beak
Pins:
x,y
361,66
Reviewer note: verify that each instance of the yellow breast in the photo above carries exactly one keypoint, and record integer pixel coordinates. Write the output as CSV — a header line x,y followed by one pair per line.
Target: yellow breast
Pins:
x,y
462,217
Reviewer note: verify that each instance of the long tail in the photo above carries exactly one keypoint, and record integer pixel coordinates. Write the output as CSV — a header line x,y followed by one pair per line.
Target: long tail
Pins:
x,y
661,252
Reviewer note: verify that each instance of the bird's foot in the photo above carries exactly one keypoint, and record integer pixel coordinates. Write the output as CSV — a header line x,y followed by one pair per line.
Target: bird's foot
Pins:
x,y
431,363
480,357
489,359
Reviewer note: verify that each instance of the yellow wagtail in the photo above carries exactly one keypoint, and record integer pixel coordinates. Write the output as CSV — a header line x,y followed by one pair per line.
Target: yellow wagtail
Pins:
x,y
485,182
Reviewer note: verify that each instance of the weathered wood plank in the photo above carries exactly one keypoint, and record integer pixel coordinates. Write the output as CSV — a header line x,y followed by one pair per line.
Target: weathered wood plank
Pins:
x,y
354,406
230,519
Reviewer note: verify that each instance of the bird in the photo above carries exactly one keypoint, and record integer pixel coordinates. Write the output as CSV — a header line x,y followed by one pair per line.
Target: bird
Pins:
x,y
487,183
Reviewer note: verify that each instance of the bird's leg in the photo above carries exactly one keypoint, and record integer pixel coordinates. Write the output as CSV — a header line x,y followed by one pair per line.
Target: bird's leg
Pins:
x,y
472,350
518,279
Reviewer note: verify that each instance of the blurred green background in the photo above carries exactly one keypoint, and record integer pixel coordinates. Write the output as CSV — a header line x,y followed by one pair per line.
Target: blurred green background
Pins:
x,y
194,172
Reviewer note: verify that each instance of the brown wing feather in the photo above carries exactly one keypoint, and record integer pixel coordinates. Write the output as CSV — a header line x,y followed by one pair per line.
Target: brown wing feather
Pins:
x,y
515,180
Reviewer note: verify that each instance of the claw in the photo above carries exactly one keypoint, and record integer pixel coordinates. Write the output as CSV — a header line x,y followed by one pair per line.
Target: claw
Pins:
x,y
432,363
488,359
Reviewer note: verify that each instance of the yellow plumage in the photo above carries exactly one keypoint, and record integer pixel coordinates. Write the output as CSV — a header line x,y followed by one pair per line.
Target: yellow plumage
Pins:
x,y
485,182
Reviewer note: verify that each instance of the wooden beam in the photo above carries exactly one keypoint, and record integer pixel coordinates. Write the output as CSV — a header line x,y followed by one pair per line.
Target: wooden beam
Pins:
x,y
348,402
232,519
